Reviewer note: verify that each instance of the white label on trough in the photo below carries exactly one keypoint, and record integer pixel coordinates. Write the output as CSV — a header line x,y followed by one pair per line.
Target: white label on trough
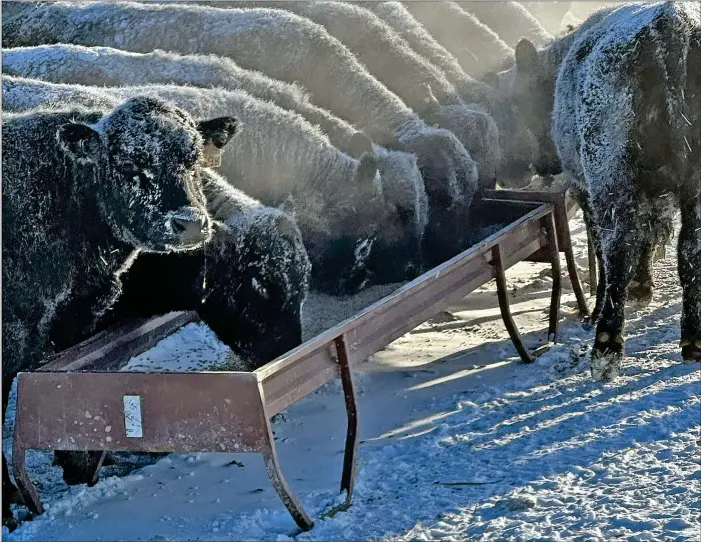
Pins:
x,y
132,416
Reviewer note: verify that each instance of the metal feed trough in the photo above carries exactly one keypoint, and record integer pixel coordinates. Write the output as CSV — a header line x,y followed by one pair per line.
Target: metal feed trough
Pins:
x,y
80,401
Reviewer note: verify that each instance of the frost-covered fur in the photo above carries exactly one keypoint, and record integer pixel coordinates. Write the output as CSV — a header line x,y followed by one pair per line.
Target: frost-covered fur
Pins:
x,y
421,40
510,20
83,192
279,156
21,95
106,66
387,56
625,97
390,59
549,14
296,49
478,48
112,67
248,283
478,131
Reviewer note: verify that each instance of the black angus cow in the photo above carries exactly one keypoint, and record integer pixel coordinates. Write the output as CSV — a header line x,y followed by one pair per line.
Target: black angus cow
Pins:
x,y
617,104
83,191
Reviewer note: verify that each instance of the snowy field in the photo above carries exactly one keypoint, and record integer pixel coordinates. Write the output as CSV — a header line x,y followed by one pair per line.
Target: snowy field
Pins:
x,y
459,440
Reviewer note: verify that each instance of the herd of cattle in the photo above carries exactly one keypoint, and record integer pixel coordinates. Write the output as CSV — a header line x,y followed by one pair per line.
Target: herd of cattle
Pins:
x,y
350,140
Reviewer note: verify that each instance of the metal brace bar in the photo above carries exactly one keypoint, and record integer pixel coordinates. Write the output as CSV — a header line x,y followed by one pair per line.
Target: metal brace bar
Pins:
x,y
348,476
551,233
500,277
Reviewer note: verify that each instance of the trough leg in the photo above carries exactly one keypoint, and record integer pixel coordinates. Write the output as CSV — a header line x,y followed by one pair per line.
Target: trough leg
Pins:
x,y
272,467
504,306
562,223
24,484
10,493
348,477
574,279
557,278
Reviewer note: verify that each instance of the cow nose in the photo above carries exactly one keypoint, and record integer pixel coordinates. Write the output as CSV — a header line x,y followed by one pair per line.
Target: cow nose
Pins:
x,y
190,225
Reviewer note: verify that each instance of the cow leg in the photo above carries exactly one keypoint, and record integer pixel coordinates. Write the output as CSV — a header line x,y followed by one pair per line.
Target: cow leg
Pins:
x,y
690,277
601,291
621,247
640,288
10,493
79,467
593,229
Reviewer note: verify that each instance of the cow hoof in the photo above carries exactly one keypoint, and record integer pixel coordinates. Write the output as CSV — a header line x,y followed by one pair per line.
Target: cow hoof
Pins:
x,y
607,356
691,351
605,366
10,522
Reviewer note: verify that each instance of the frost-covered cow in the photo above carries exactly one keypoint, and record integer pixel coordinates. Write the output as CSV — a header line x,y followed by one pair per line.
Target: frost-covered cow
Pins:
x,y
82,191
421,40
617,104
510,20
514,146
296,50
422,86
105,66
549,14
247,283
351,228
477,47
387,56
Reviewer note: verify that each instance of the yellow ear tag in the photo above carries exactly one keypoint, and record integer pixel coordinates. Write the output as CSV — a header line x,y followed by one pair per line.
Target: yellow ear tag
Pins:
x,y
211,156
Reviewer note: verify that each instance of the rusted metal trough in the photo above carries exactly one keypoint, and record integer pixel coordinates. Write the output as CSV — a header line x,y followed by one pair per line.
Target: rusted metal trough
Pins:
x,y
80,401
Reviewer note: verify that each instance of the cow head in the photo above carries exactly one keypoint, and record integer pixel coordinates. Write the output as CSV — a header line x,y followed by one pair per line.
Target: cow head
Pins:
x,y
451,180
256,281
396,255
148,151
533,96
348,220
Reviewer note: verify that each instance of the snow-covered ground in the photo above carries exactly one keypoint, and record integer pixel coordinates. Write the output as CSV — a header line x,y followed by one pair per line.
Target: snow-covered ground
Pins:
x,y
459,440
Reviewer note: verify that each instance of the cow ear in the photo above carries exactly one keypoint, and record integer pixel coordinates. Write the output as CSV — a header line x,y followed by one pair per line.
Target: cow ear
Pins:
x,y
526,57
217,132
359,144
79,143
